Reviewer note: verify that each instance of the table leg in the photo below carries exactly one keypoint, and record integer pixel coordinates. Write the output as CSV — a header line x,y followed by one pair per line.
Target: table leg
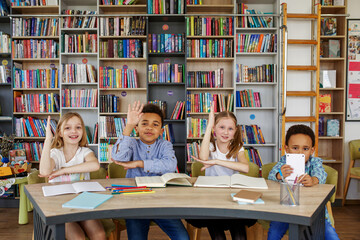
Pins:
x,y
47,232
23,214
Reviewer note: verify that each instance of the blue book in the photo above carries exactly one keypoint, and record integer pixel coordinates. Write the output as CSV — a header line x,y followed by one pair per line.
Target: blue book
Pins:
x,y
87,200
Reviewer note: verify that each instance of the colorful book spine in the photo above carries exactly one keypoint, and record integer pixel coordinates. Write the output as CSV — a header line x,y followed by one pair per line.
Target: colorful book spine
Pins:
x,y
209,48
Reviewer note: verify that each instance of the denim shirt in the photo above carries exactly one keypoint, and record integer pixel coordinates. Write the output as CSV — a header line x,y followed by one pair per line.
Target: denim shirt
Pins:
x,y
159,158
313,167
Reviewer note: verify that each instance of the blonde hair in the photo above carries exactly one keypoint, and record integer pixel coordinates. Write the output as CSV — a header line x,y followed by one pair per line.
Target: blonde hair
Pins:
x,y
58,140
236,143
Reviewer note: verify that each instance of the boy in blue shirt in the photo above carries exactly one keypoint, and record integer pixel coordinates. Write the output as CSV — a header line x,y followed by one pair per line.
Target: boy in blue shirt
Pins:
x,y
300,139
147,156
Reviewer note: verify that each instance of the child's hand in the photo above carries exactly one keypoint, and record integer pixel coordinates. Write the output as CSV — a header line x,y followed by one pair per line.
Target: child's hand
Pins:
x,y
49,134
212,115
308,181
207,163
286,171
134,114
130,164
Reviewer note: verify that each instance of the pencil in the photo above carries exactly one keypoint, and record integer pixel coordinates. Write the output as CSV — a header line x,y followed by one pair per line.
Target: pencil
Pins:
x,y
138,192
288,188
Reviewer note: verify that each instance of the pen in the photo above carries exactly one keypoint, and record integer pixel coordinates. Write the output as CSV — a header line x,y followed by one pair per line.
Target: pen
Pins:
x,y
119,188
130,190
118,192
115,185
302,177
134,192
138,192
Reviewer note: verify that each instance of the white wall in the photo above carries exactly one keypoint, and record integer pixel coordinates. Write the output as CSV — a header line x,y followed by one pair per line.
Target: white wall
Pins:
x,y
352,129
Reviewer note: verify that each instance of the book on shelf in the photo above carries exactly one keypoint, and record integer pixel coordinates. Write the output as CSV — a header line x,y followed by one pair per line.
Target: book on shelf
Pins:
x,y
78,73
328,26
334,48
79,21
253,155
87,200
121,48
118,2
4,8
35,26
118,78
206,79
166,7
256,43
109,103
79,97
209,48
162,105
179,109
209,26
5,74
39,103
322,125
111,126
166,73
122,26
32,127
263,73
248,98
178,179
247,196
234,181
168,133
35,78
252,134
35,48
192,149
252,21
33,150
327,78
201,102
325,103
5,42
166,43
196,127
79,43
76,187
333,127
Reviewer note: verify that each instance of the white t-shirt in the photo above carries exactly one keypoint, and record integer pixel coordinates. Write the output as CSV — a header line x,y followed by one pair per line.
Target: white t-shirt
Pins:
x,y
60,162
217,170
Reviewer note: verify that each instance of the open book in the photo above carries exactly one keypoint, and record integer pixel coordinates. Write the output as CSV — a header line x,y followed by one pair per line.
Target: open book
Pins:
x,y
161,181
72,188
234,181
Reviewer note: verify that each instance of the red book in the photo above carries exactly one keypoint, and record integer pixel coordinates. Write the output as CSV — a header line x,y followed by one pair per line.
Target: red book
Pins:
x,y
28,151
179,110
33,128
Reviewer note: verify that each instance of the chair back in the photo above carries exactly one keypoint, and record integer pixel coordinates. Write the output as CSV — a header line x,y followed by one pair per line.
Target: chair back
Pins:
x,y
34,178
253,170
266,168
332,178
116,171
99,174
354,148
196,169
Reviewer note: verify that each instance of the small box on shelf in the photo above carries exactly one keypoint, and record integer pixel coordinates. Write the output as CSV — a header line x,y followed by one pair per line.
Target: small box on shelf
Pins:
x,y
327,78
324,103
333,128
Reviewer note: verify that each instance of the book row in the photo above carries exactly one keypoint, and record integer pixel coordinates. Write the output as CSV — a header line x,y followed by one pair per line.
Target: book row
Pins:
x,y
166,6
33,48
166,43
262,73
166,73
5,43
79,43
256,42
253,155
110,126
252,134
332,2
192,149
79,98
206,79
162,105
118,78
253,21
33,150
32,127
5,74
35,26
36,103
92,138
78,73
79,21
109,103
329,127
34,2
118,2
105,152
196,127
209,26
4,8
248,98
201,102
168,133
209,48
179,111
123,48
122,26
35,78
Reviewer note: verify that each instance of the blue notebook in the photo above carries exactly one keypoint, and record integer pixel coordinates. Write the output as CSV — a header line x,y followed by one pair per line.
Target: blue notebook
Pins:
x,y
87,200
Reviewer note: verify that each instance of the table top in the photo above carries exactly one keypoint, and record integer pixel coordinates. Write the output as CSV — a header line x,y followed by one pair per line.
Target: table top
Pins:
x,y
183,202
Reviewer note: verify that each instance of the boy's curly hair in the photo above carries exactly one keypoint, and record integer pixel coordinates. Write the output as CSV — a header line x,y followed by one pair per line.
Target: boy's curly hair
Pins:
x,y
300,129
152,108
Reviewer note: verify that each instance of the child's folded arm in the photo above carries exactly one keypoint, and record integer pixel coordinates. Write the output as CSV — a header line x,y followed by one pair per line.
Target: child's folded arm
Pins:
x,y
166,162
123,149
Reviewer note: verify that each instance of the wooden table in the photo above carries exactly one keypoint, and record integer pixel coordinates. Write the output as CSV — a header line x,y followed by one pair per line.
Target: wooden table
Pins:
x,y
184,202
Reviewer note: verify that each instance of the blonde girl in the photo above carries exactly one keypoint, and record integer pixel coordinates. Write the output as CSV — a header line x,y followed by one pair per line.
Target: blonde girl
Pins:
x,y
222,153
66,158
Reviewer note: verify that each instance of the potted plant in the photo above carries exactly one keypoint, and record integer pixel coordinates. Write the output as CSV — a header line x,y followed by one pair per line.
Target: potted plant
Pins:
x,y
6,144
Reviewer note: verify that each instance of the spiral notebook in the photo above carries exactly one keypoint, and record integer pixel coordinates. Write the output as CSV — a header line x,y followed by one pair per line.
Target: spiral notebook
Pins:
x,y
87,200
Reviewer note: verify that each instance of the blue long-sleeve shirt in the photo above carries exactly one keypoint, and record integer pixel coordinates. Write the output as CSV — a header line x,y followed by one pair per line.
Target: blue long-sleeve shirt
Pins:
x,y
158,158
313,168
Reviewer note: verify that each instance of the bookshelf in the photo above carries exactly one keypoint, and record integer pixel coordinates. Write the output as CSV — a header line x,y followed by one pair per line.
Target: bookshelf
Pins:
x,y
5,85
331,148
257,70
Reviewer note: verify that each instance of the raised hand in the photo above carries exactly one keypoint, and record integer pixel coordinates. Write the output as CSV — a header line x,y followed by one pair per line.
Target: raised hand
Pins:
x,y
134,113
49,134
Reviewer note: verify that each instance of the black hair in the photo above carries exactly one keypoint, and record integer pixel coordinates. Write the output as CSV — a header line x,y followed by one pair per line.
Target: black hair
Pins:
x,y
300,129
152,108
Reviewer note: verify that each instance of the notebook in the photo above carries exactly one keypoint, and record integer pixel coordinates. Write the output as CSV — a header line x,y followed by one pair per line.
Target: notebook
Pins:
x,y
87,200
76,187
258,201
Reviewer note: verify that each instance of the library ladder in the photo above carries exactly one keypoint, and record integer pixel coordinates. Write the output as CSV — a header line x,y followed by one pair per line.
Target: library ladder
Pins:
x,y
312,118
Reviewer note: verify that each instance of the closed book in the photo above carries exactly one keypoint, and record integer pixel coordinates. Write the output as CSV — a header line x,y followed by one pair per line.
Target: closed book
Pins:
x,y
87,200
258,201
247,196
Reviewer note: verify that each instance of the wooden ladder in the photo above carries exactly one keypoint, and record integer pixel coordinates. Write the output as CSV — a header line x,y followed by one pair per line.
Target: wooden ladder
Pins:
x,y
314,68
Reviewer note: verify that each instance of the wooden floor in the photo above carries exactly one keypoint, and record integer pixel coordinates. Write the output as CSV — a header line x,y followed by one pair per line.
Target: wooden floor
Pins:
x,y
347,222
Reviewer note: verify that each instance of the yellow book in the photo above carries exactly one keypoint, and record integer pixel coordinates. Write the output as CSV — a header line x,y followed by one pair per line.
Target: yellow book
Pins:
x,y
192,26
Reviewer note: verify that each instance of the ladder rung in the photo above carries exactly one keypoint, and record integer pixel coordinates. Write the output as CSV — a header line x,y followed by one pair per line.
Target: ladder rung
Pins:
x,y
300,119
302,41
301,94
301,68
302,15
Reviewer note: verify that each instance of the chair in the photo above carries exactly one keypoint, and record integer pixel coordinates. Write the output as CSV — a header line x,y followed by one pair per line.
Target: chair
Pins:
x,y
195,233
108,225
353,172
